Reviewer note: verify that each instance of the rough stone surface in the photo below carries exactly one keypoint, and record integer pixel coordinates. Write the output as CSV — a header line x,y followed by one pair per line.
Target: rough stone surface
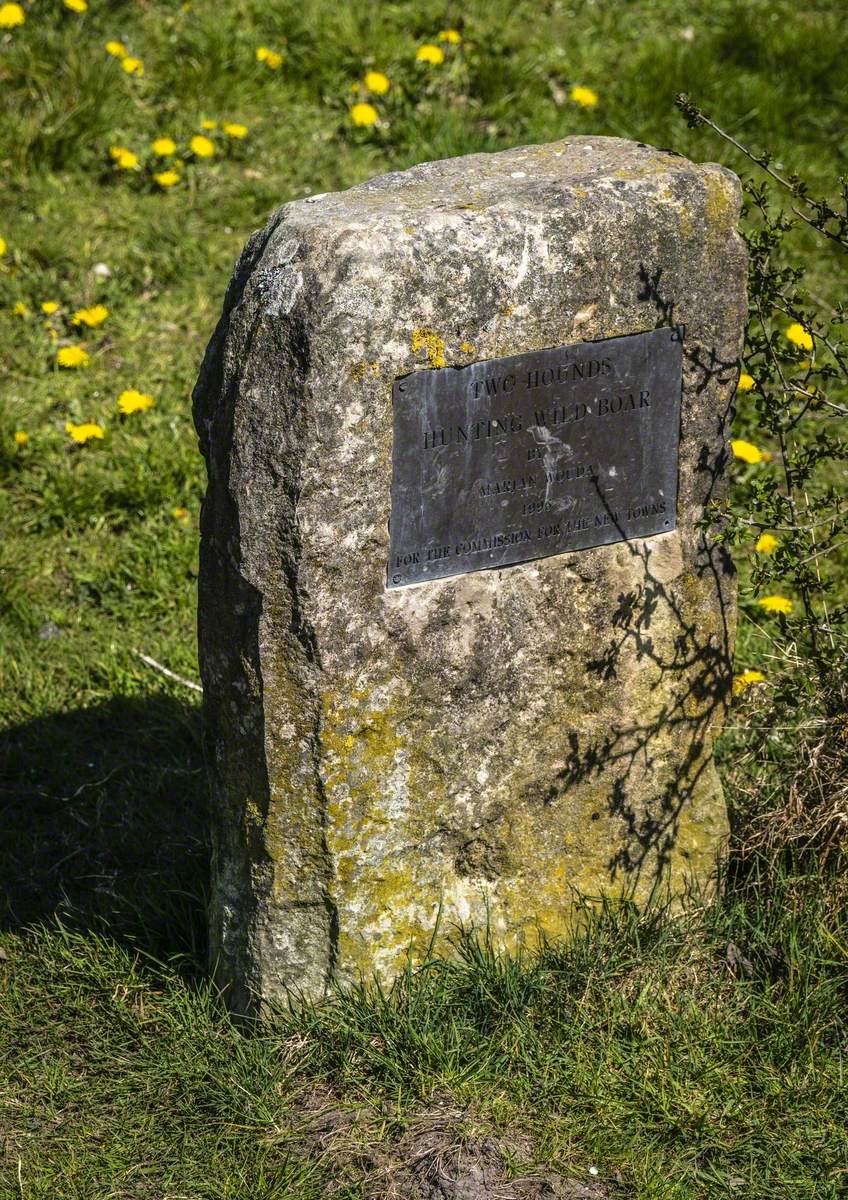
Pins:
x,y
488,745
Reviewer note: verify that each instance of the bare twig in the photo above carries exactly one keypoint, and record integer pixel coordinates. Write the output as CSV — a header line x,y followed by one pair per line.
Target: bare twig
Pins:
x,y
157,666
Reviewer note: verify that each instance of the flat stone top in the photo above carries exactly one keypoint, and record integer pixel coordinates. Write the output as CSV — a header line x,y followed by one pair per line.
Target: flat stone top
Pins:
x,y
522,176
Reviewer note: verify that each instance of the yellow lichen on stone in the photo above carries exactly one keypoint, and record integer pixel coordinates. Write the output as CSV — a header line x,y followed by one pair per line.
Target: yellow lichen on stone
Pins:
x,y
428,340
466,347
359,370
720,207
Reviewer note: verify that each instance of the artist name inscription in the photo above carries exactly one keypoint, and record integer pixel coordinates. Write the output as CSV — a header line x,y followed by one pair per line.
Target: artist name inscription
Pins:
x,y
512,459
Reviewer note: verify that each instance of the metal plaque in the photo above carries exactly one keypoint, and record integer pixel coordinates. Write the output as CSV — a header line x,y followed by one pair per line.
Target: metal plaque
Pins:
x,y
517,458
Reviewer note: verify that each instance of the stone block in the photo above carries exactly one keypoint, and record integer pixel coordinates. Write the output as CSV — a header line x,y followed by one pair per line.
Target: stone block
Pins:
x,y
486,746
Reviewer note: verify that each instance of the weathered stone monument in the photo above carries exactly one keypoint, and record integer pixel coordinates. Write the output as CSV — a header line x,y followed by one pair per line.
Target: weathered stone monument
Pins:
x,y
464,638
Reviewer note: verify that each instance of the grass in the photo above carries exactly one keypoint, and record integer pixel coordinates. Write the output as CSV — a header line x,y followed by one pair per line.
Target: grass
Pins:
x,y
698,1056
693,1056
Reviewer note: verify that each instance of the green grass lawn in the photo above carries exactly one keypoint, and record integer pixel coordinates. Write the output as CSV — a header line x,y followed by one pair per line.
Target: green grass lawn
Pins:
x,y
702,1056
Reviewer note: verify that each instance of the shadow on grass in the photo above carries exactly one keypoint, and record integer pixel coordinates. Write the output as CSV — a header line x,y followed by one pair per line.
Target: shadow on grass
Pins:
x,y
105,822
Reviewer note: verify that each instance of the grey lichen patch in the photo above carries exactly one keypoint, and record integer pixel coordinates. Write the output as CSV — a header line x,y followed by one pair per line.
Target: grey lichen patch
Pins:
x,y
485,746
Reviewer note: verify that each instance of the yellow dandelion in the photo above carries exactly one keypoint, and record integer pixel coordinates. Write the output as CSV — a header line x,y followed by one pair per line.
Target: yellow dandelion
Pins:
x,y
747,451
132,66
746,382
179,514
72,356
3,247
49,307
270,58
450,35
164,147
11,15
117,49
20,309
364,114
125,160
798,336
208,125
377,82
77,6
91,317
746,679
234,130
21,437
133,401
428,53
767,543
83,433
584,96
167,179
775,604
201,147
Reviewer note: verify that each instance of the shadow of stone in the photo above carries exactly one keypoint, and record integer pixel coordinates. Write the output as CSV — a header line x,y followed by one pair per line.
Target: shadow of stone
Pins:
x,y
105,824
660,626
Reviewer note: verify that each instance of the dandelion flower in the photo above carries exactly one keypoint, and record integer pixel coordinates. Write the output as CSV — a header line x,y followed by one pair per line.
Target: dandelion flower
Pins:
x,y
234,130
132,66
775,604
746,679
428,53
77,6
49,307
2,247
270,58
20,309
377,82
201,147
164,147
72,356
584,96
799,337
363,114
747,451
116,49
167,179
83,433
746,382
11,15
21,437
450,35
91,317
125,160
208,125
767,543
179,514
133,401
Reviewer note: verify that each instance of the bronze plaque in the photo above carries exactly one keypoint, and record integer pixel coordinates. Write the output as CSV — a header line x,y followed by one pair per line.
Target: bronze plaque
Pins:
x,y
512,459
